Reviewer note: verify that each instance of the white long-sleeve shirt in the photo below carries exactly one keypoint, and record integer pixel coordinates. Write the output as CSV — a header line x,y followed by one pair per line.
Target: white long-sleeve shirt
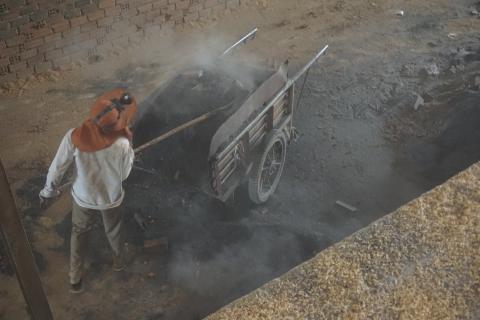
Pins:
x,y
99,175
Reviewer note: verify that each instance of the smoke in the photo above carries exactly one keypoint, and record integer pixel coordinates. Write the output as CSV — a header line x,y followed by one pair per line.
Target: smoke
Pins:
x,y
229,259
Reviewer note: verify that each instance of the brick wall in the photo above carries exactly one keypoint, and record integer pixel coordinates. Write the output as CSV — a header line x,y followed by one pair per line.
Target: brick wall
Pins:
x,y
36,35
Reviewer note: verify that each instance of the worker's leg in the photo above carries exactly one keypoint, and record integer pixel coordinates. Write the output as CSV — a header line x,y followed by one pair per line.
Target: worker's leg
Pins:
x,y
113,223
83,221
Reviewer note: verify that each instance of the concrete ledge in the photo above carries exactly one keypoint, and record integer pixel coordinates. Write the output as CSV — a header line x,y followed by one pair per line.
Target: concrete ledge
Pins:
x,y
420,262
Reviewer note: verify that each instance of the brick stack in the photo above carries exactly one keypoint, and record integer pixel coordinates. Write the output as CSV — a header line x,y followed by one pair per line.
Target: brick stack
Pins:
x,y
36,35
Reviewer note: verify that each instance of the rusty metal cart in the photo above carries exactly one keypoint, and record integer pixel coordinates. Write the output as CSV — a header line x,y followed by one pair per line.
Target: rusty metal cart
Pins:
x,y
247,136
253,142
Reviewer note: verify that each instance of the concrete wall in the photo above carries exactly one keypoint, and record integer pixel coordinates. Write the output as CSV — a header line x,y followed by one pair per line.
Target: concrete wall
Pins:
x,y
420,262
36,35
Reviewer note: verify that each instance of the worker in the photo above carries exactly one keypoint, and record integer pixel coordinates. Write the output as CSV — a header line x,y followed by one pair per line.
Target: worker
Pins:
x,y
103,155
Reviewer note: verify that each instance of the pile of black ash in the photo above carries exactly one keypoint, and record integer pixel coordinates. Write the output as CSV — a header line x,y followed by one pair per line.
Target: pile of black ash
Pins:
x,y
184,98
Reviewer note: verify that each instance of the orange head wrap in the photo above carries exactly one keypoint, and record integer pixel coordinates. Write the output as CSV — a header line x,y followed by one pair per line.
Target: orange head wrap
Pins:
x,y
106,123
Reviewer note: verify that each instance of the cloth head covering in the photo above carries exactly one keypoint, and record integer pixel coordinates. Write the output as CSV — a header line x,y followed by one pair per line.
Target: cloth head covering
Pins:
x,y
106,123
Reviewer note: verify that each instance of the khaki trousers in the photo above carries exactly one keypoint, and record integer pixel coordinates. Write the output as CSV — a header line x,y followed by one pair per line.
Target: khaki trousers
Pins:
x,y
83,221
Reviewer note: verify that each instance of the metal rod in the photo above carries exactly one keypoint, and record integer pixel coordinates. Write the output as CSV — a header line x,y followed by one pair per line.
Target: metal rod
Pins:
x,y
20,253
309,64
180,128
279,95
303,87
244,39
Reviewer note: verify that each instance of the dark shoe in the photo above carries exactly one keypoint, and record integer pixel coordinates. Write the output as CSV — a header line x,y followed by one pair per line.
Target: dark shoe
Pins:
x,y
76,287
120,262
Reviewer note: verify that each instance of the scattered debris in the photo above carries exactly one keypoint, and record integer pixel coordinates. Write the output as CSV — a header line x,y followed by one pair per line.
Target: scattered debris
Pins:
x,y
346,206
452,35
477,82
156,245
142,223
46,222
419,103
432,69
302,27
86,96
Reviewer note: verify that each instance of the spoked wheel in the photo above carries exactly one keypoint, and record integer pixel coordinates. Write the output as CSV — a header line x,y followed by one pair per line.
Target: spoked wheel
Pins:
x,y
268,169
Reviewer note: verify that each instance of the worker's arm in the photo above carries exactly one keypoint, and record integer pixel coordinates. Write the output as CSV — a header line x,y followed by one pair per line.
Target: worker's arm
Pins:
x,y
63,159
128,157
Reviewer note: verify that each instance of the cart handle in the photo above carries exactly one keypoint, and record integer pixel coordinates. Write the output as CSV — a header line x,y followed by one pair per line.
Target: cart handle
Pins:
x,y
251,35
308,65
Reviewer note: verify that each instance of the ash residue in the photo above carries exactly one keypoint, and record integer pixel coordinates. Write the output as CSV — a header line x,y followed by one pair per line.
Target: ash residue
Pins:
x,y
189,95
186,97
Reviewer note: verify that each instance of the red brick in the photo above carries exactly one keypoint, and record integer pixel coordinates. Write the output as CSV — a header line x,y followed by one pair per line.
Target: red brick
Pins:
x,y
24,72
33,43
38,33
36,59
7,77
60,61
4,62
210,3
15,59
104,48
10,16
195,7
174,15
145,8
81,37
180,5
191,17
92,16
159,20
88,27
205,12
59,27
106,4
139,20
17,67
19,21
56,19
152,30
78,55
72,32
159,4
105,21
15,41
53,54
78,21
112,11
53,37
232,4
152,15
43,66
9,51
27,54
26,27
168,9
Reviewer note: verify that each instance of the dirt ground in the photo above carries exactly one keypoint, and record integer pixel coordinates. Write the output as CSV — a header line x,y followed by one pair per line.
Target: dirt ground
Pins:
x,y
390,112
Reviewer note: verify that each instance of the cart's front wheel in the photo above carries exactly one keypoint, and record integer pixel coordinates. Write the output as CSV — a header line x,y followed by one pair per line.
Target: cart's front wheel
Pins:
x,y
267,169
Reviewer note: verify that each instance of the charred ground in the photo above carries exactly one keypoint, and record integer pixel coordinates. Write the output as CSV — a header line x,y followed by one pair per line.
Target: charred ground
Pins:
x,y
362,142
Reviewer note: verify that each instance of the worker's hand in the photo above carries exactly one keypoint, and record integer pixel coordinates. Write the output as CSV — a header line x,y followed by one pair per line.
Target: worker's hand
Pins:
x,y
47,197
45,202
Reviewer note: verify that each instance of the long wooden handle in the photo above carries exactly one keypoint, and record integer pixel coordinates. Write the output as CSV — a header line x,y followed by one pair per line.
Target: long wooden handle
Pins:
x,y
180,128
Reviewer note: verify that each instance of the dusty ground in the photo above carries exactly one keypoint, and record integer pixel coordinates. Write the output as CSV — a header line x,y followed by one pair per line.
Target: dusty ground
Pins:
x,y
361,142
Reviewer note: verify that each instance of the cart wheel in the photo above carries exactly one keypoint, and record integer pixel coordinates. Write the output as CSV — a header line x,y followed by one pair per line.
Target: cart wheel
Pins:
x,y
267,169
